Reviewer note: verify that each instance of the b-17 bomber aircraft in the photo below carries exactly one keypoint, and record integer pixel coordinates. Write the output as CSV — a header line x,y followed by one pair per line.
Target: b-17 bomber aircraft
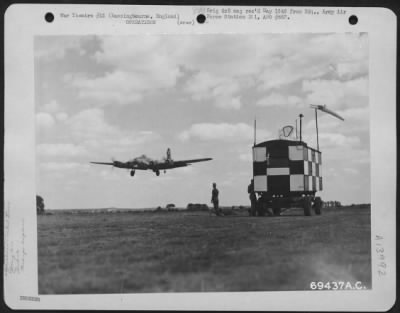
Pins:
x,y
145,163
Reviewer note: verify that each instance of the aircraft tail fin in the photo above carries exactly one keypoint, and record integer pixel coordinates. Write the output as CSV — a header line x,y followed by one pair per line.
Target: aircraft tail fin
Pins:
x,y
169,158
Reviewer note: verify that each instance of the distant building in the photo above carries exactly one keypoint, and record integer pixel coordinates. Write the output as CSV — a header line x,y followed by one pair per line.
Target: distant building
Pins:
x,y
170,207
332,204
197,207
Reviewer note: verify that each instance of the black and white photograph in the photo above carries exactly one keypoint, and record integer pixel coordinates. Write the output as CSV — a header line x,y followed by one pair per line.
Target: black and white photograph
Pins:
x,y
183,159
123,204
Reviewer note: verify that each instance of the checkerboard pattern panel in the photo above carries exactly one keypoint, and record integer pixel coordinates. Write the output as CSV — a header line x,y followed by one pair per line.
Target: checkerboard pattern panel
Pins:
x,y
301,171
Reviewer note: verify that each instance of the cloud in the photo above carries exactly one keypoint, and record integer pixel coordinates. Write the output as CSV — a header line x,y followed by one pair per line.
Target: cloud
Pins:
x,y
195,75
60,149
56,48
50,107
188,170
118,87
205,86
108,173
90,128
53,112
220,132
246,157
351,70
334,139
277,61
326,123
151,57
277,99
355,114
90,123
140,65
136,69
313,56
351,170
63,166
360,157
337,94
62,116
44,120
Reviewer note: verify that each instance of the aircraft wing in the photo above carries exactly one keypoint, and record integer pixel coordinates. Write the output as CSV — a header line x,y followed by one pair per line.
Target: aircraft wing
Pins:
x,y
188,162
117,164
104,163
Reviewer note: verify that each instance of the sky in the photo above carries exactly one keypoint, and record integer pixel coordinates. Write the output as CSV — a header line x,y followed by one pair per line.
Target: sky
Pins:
x,y
118,97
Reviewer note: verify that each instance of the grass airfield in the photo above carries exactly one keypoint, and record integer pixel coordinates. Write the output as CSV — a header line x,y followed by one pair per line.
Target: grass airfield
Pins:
x,y
130,252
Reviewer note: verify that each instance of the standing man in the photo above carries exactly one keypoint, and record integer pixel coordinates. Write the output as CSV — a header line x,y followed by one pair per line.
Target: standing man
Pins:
x,y
253,198
215,201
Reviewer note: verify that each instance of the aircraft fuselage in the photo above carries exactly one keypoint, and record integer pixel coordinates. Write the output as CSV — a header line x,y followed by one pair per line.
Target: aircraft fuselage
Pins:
x,y
145,163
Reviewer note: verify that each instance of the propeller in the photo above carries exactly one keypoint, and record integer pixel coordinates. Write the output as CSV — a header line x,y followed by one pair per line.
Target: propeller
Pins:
x,y
113,161
323,108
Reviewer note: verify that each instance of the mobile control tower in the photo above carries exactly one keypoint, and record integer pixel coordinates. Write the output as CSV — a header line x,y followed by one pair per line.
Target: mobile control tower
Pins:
x,y
286,173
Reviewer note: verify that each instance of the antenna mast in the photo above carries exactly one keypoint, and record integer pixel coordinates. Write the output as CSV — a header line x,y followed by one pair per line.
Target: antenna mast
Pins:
x,y
316,126
255,126
301,116
323,108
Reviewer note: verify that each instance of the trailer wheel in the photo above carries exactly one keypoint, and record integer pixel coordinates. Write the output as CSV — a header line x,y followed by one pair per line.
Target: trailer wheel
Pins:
x,y
276,207
318,205
252,212
254,208
307,206
277,211
261,210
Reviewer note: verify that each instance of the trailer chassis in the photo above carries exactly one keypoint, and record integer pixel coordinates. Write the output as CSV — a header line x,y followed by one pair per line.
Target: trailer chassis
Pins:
x,y
275,204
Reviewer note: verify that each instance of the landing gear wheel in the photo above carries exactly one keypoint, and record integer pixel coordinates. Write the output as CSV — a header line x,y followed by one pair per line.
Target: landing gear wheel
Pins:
x,y
260,209
260,212
307,206
253,208
318,205
132,173
276,211
158,173
276,207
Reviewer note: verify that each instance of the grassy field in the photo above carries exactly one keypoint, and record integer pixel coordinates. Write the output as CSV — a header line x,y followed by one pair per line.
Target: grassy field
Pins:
x,y
192,251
